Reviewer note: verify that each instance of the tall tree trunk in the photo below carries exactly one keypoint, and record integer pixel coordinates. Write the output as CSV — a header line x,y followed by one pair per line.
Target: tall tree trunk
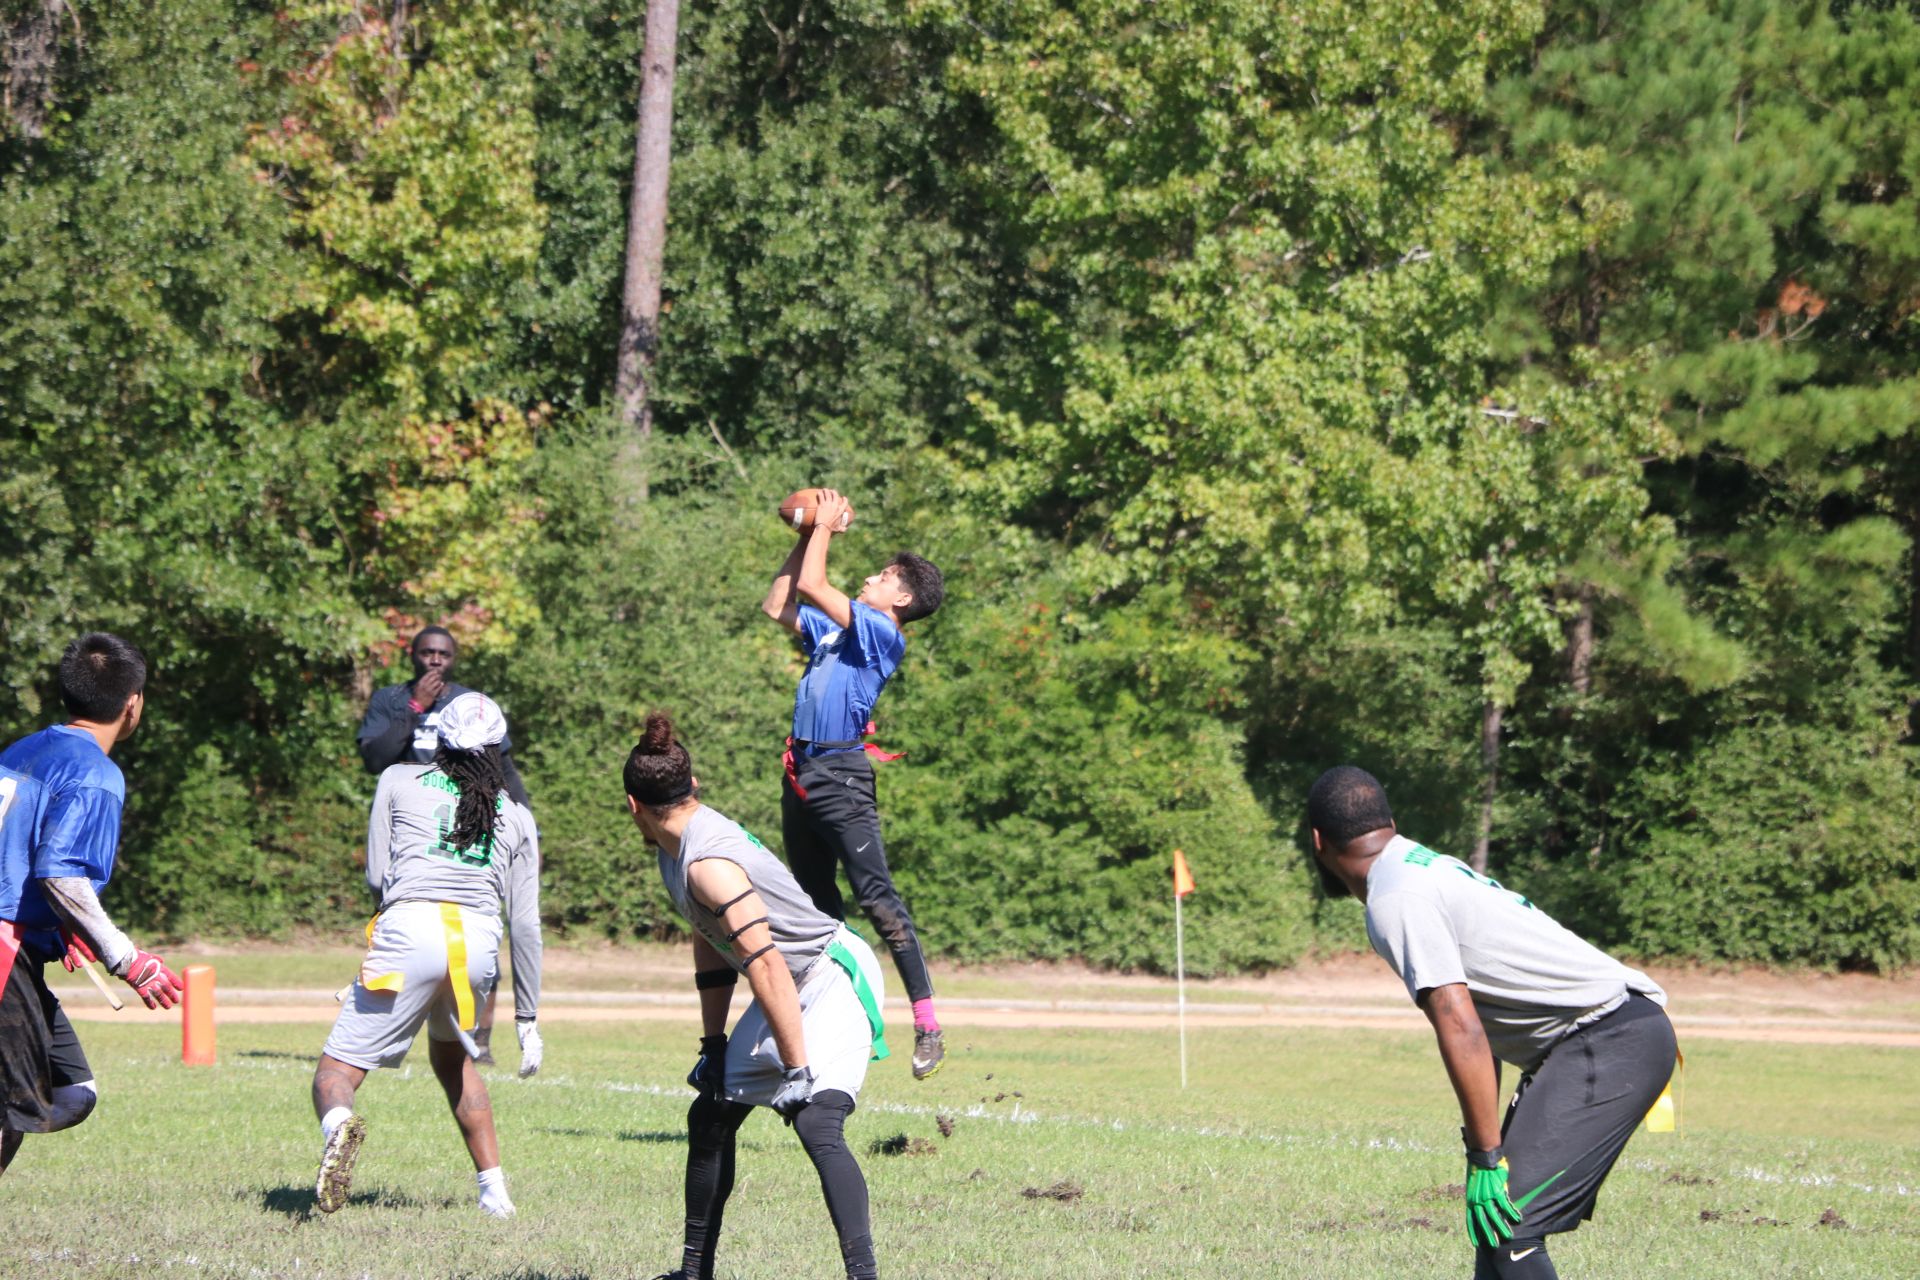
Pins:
x,y
1579,650
1490,717
33,47
646,235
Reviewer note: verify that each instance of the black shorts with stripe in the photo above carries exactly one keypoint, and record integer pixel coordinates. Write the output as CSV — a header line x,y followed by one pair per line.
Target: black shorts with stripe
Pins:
x,y
1571,1118
38,1049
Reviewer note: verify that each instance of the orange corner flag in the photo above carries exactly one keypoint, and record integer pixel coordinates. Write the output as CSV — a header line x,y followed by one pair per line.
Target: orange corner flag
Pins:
x,y
1182,878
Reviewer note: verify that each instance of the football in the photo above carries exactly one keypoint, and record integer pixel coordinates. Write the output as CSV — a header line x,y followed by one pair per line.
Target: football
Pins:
x,y
798,510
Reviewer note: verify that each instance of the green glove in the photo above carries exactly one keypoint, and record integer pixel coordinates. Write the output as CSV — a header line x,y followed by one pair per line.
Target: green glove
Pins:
x,y
1491,1216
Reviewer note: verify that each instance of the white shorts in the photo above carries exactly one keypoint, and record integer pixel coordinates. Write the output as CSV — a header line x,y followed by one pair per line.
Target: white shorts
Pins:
x,y
832,1021
404,982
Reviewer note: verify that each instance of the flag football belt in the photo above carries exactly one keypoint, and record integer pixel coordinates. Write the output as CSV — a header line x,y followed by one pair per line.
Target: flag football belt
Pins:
x,y
10,936
838,953
455,930
787,760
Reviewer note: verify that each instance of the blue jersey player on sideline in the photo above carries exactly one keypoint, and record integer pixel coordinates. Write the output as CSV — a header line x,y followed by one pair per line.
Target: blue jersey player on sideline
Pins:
x,y
60,801
829,814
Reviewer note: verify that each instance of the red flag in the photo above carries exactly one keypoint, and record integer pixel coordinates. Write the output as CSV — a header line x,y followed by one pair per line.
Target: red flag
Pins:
x,y
1182,878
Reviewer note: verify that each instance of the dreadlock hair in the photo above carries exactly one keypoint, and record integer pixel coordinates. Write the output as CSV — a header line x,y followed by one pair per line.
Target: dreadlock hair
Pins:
x,y
481,778
1346,803
659,772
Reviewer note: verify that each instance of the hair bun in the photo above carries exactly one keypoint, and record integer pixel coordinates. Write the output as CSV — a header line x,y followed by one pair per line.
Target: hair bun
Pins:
x,y
658,736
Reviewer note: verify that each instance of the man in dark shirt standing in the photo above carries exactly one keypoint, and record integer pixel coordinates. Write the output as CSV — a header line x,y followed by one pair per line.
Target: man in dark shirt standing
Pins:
x,y
402,726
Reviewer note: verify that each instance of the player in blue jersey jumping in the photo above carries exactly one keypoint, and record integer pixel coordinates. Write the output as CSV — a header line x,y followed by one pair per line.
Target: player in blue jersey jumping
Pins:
x,y
60,802
829,815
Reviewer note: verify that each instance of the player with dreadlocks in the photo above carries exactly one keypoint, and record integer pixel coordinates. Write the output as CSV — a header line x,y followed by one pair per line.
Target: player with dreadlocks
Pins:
x,y
802,1046
447,847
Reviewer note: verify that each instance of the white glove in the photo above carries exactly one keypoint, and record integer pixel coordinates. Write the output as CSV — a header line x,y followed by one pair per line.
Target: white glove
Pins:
x,y
531,1047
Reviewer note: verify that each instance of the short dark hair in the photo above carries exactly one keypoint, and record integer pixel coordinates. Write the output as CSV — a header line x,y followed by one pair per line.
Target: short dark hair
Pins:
x,y
659,772
424,632
98,673
1346,803
922,579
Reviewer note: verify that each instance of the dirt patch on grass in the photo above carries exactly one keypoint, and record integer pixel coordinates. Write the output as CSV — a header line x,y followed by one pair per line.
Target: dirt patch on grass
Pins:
x,y
1066,1191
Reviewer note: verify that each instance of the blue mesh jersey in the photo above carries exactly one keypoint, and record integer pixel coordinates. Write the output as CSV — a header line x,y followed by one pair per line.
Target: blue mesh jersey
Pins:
x,y
847,667
23,807
78,832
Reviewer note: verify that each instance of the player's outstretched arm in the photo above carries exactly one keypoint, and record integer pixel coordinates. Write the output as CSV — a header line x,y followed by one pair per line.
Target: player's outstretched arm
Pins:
x,y
87,923
813,583
1469,1061
719,885
783,600
1491,1213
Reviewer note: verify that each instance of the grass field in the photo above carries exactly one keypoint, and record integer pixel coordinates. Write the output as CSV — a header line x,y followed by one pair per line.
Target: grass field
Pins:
x,y
1295,1152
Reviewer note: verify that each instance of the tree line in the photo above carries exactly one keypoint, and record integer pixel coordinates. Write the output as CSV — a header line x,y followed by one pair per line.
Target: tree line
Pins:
x,y
1517,399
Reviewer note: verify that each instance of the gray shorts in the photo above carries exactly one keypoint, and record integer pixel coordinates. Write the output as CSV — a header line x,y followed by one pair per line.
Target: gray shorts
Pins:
x,y
404,981
832,1021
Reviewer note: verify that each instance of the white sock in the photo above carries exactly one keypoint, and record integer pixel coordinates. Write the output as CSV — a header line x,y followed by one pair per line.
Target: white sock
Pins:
x,y
333,1120
493,1192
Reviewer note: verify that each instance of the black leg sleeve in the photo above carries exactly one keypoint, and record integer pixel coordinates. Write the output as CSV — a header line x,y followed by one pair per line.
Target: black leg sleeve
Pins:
x,y
1516,1259
711,1126
822,1129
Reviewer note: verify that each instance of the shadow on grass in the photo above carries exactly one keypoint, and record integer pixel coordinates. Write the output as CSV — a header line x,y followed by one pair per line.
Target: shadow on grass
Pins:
x,y
297,1202
658,1136
276,1053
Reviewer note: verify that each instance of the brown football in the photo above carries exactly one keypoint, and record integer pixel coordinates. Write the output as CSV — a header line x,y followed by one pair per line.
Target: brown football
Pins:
x,y
798,510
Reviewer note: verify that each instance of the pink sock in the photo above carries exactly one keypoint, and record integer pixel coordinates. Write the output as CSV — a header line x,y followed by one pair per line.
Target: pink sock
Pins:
x,y
923,1019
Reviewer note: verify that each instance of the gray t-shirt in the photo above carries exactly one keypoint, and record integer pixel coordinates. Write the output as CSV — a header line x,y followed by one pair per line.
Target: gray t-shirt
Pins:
x,y
410,860
1437,921
800,929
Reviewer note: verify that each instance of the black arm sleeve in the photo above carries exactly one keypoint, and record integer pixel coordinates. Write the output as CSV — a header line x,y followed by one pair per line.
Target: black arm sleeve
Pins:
x,y
385,736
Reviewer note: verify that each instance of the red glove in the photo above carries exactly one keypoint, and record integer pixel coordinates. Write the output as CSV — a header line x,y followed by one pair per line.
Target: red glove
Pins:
x,y
77,950
149,975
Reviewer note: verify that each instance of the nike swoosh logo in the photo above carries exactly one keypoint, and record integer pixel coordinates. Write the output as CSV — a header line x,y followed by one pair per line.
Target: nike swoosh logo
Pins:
x,y
863,848
1515,1257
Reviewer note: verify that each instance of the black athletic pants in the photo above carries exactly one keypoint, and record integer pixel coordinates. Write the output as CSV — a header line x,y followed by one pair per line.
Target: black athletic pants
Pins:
x,y
838,824
711,1129
1567,1124
38,1049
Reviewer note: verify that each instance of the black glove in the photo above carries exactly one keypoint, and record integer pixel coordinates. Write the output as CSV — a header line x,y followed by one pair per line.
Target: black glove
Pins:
x,y
709,1074
795,1091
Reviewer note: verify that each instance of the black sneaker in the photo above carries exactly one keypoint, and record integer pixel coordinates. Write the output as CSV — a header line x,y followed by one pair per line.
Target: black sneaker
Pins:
x,y
336,1164
929,1051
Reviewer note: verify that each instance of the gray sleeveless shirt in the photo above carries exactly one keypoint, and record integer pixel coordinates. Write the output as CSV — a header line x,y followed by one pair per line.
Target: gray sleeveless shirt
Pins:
x,y
800,929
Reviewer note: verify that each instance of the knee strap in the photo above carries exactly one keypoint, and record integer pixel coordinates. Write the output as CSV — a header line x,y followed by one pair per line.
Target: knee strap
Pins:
x,y
72,1103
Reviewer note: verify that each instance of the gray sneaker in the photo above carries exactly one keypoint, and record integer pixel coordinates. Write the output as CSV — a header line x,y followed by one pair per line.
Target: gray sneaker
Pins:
x,y
336,1164
929,1051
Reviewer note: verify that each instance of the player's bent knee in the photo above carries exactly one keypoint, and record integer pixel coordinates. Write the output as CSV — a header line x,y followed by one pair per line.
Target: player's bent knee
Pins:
x,y
822,1122
72,1103
711,1122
